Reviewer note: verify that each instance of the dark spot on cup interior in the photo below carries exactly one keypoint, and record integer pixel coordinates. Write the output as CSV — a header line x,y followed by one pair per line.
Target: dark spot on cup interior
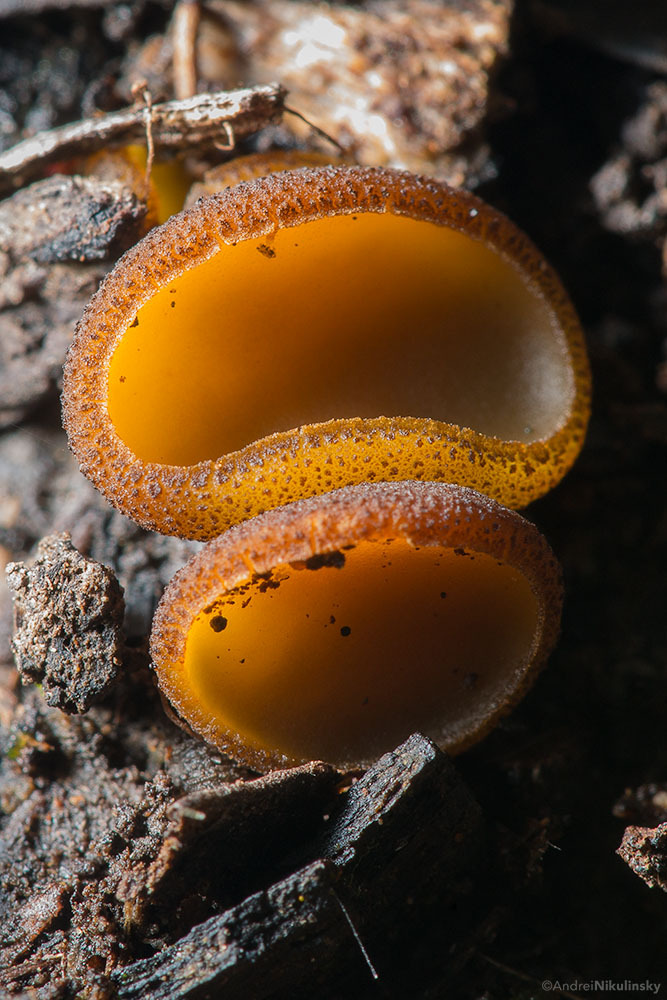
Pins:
x,y
335,560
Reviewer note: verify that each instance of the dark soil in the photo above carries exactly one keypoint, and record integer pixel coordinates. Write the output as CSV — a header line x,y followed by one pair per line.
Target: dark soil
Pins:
x,y
128,852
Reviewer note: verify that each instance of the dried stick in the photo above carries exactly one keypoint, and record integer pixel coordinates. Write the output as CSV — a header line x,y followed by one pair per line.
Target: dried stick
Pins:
x,y
184,28
190,124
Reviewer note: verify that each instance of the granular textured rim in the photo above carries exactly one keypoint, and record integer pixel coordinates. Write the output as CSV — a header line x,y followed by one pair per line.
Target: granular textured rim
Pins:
x,y
425,514
199,501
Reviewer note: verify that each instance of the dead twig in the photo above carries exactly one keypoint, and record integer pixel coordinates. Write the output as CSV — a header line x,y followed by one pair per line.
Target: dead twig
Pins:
x,y
178,126
184,28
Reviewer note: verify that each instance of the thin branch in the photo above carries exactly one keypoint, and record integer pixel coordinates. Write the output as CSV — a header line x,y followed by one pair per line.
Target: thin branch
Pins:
x,y
184,28
189,124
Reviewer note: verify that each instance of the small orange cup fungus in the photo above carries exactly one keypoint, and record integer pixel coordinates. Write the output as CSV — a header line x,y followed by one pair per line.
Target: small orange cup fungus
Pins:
x,y
248,168
334,627
164,189
318,328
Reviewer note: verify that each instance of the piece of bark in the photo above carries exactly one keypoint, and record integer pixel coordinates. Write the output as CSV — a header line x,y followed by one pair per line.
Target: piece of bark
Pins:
x,y
65,218
405,839
274,944
408,848
644,849
412,799
403,84
222,843
68,634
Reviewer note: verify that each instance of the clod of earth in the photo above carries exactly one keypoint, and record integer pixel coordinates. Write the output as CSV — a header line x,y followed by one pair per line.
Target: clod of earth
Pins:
x,y
644,849
69,613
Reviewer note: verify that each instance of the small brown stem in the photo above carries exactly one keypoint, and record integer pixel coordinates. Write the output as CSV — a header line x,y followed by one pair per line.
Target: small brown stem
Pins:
x,y
184,28
140,89
317,129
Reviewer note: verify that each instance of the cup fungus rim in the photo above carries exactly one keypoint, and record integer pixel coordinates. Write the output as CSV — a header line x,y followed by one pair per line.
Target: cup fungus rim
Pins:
x,y
256,208
423,513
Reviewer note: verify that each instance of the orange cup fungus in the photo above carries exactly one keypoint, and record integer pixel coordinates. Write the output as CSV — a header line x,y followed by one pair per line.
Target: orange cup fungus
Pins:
x,y
247,168
163,188
318,328
336,626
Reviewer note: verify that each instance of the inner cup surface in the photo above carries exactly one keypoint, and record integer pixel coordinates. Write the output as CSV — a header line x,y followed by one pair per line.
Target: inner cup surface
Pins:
x,y
341,658
346,316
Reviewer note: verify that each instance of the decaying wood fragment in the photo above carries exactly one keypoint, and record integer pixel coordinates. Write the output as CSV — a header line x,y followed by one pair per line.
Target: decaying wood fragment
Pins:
x,y
65,218
195,123
275,943
414,797
226,840
404,841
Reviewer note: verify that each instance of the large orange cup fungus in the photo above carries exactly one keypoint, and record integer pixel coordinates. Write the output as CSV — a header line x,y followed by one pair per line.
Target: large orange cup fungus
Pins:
x,y
318,328
336,626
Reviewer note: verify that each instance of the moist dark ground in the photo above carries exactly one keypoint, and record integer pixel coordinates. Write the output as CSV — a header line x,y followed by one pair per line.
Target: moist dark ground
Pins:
x,y
548,898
